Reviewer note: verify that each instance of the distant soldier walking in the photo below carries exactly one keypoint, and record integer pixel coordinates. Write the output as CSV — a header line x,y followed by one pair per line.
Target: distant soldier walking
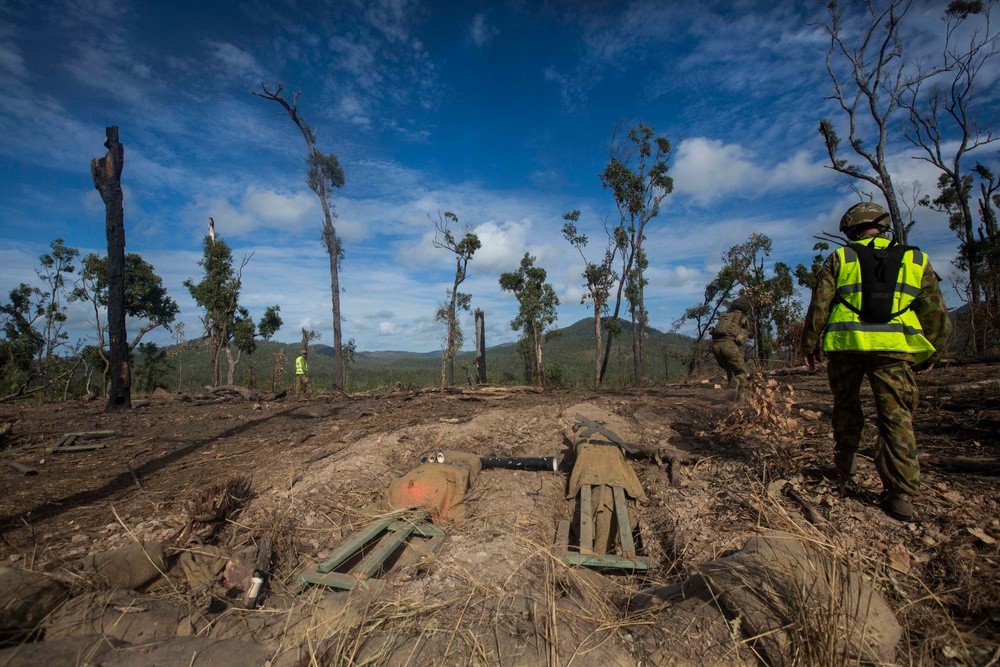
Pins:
x,y
301,375
728,338
884,317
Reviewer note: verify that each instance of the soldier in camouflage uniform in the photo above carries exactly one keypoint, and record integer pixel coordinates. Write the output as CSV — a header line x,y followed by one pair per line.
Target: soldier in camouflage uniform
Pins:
x,y
888,352
728,338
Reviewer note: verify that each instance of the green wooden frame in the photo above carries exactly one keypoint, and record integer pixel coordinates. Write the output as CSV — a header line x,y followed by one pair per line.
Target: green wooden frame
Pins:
x,y
584,554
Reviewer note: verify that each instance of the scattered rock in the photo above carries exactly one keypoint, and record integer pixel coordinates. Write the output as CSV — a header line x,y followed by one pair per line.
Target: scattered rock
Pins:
x,y
25,599
130,567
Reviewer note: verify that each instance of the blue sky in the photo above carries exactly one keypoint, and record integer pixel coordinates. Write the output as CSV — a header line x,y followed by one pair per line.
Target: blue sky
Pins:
x,y
500,112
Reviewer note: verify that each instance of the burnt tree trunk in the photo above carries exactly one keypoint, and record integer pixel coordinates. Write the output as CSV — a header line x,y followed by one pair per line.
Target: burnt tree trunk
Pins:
x,y
107,174
480,347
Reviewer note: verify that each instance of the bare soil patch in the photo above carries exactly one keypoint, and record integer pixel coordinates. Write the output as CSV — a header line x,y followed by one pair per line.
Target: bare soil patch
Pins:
x,y
494,593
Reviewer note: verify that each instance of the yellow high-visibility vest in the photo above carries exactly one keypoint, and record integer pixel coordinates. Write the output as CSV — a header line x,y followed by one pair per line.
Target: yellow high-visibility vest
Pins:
x,y
845,332
301,367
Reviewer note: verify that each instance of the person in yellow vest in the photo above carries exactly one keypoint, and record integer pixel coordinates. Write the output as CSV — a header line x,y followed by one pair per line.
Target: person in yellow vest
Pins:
x,y
876,311
301,375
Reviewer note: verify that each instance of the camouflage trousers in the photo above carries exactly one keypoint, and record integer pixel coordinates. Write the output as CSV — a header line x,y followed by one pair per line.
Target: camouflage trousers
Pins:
x,y
302,385
895,390
730,358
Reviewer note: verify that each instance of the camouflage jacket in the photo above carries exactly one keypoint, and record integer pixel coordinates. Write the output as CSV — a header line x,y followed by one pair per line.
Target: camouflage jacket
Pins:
x,y
732,325
928,305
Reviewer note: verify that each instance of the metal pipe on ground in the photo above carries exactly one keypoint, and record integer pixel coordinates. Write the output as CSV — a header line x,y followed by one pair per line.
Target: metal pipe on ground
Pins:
x,y
533,463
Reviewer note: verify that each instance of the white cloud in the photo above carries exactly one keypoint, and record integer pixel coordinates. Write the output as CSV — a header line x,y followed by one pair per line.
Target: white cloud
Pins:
x,y
503,244
290,211
11,59
480,32
389,329
706,169
234,61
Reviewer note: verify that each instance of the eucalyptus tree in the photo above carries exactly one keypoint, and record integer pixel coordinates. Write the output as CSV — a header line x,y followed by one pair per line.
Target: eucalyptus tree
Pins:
x,y
245,335
145,297
717,294
537,303
323,175
598,279
22,343
636,174
218,295
447,313
55,267
227,323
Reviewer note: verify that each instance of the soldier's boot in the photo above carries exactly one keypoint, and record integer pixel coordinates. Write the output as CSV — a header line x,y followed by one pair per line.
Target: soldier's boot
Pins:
x,y
898,505
845,463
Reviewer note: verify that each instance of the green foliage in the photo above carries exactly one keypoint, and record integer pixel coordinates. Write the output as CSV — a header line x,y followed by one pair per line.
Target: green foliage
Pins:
x,y
537,305
637,175
962,9
456,301
55,267
22,342
323,168
553,375
226,322
150,367
774,311
806,276
270,322
145,296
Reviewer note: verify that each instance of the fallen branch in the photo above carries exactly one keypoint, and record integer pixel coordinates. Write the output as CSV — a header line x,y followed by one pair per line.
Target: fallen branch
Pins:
x,y
248,394
967,386
138,484
968,466
24,392
812,514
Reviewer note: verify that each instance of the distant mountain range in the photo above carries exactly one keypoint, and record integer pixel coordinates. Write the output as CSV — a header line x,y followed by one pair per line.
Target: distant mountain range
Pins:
x,y
570,353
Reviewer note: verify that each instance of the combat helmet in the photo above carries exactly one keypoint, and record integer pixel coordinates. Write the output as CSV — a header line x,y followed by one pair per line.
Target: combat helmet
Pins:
x,y
866,214
740,303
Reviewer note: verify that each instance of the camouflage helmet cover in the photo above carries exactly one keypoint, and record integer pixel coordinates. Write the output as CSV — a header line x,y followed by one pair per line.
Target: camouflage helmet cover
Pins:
x,y
740,303
866,213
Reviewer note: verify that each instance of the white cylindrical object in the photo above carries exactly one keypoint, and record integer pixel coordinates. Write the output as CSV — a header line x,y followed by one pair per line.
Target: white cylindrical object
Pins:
x,y
255,585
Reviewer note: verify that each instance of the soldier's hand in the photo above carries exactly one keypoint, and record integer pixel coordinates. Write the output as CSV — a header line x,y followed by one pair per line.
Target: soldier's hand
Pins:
x,y
811,362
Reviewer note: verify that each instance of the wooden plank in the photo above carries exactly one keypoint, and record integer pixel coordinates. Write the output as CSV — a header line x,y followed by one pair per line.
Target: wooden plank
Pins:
x,y
21,468
330,579
624,525
353,545
607,560
562,538
421,526
433,544
65,440
89,435
586,520
385,548
75,448
11,452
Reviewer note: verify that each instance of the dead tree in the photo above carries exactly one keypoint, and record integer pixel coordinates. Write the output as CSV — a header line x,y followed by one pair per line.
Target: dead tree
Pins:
x,y
480,347
107,175
323,175
869,77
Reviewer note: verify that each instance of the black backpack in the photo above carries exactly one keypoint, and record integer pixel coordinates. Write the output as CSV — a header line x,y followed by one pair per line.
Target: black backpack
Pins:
x,y
879,275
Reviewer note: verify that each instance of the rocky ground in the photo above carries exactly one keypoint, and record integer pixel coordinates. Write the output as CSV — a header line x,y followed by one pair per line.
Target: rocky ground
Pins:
x,y
224,481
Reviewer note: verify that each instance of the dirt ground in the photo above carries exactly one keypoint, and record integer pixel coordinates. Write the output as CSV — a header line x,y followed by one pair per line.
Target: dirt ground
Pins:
x,y
493,593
